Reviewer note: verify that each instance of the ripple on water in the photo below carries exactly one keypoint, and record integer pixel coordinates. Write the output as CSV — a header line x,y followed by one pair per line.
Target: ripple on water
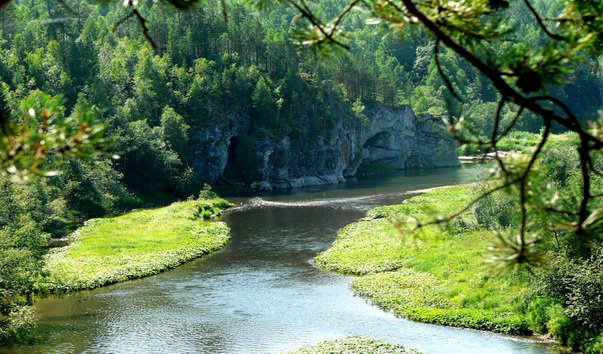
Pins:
x,y
260,294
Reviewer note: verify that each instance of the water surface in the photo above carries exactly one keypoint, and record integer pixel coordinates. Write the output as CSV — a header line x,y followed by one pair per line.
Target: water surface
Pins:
x,y
261,294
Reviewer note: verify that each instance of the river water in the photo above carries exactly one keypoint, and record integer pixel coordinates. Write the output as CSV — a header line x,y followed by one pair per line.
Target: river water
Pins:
x,y
261,294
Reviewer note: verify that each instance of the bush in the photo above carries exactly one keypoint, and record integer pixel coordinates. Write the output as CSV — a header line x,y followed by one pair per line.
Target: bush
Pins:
x,y
17,326
561,161
559,324
222,203
596,346
538,314
471,150
584,300
496,211
208,208
577,285
207,192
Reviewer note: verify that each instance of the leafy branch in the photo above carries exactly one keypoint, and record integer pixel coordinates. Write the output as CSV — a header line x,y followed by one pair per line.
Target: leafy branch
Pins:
x,y
30,143
460,27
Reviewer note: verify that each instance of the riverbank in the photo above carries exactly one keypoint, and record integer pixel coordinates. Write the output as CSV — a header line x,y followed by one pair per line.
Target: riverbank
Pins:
x,y
135,245
517,142
437,275
354,345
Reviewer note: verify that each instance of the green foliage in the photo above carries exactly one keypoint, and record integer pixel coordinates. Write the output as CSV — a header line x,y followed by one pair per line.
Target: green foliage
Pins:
x,y
212,70
559,324
210,205
137,244
354,345
148,163
577,286
42,131
207,192
437,275
17,325
206,214
358,111
27,216
18,269
539,314
175,131
496,211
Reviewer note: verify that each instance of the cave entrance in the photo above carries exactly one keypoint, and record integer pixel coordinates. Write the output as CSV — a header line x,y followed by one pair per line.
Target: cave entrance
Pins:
x,y
231,170
381,140
243,160
379,154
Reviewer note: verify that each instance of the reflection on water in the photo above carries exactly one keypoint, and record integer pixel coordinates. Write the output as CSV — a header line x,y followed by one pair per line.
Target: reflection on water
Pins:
x,y
261,293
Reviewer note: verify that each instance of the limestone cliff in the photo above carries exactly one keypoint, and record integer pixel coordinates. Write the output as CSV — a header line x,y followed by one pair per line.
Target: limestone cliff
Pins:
x,y
396,137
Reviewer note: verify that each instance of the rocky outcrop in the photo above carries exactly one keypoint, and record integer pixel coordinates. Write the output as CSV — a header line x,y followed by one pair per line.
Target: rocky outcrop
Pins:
x,y
395,137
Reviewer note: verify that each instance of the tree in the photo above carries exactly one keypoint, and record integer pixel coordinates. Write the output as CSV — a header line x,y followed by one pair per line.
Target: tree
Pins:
x,y
522,76
41,131
264,104
175,131
465,60
526,78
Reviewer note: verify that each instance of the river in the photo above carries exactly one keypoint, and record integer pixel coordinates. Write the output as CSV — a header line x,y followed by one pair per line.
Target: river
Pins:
x,y
261,293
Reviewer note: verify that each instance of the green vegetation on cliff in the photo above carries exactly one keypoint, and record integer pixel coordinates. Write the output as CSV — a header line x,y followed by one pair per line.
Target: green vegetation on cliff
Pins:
x,y
60,62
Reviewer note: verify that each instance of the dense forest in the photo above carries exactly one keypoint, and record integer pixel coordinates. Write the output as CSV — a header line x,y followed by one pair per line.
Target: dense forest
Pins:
x,y
84,60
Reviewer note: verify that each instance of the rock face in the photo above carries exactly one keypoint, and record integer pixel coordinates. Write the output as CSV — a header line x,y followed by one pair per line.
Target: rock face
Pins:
x,y
393,137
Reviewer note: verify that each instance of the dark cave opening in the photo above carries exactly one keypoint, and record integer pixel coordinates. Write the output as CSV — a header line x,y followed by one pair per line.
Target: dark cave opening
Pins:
x,y
230,171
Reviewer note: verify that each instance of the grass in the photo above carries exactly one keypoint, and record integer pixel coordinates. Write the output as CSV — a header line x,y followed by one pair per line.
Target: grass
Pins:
x,y
354,345
436,276
524,142
134,245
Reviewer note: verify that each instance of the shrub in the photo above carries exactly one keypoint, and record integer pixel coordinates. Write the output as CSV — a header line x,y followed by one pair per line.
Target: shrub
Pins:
x,y
17,326
207,214
207,192
559,324
496,211
577,284
538,314
222,203
471,150
203,207
596,346
584,300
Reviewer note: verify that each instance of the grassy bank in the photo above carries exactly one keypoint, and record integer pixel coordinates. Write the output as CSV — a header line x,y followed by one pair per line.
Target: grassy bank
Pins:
x,y
436,276
523,142
134,245
354,345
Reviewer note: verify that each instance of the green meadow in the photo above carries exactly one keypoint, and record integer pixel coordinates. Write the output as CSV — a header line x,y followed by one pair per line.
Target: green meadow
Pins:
x,y
134,245
437,274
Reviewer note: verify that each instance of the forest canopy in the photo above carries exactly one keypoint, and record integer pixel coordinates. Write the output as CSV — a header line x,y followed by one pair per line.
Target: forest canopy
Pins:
x,y
81,82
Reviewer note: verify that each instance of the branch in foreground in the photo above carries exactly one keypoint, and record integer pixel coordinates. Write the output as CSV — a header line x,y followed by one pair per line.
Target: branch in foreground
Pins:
x,y
449,218
143,24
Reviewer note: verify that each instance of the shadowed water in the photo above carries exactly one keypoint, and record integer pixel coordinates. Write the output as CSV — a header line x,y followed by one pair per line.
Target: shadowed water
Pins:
x,y
261,293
